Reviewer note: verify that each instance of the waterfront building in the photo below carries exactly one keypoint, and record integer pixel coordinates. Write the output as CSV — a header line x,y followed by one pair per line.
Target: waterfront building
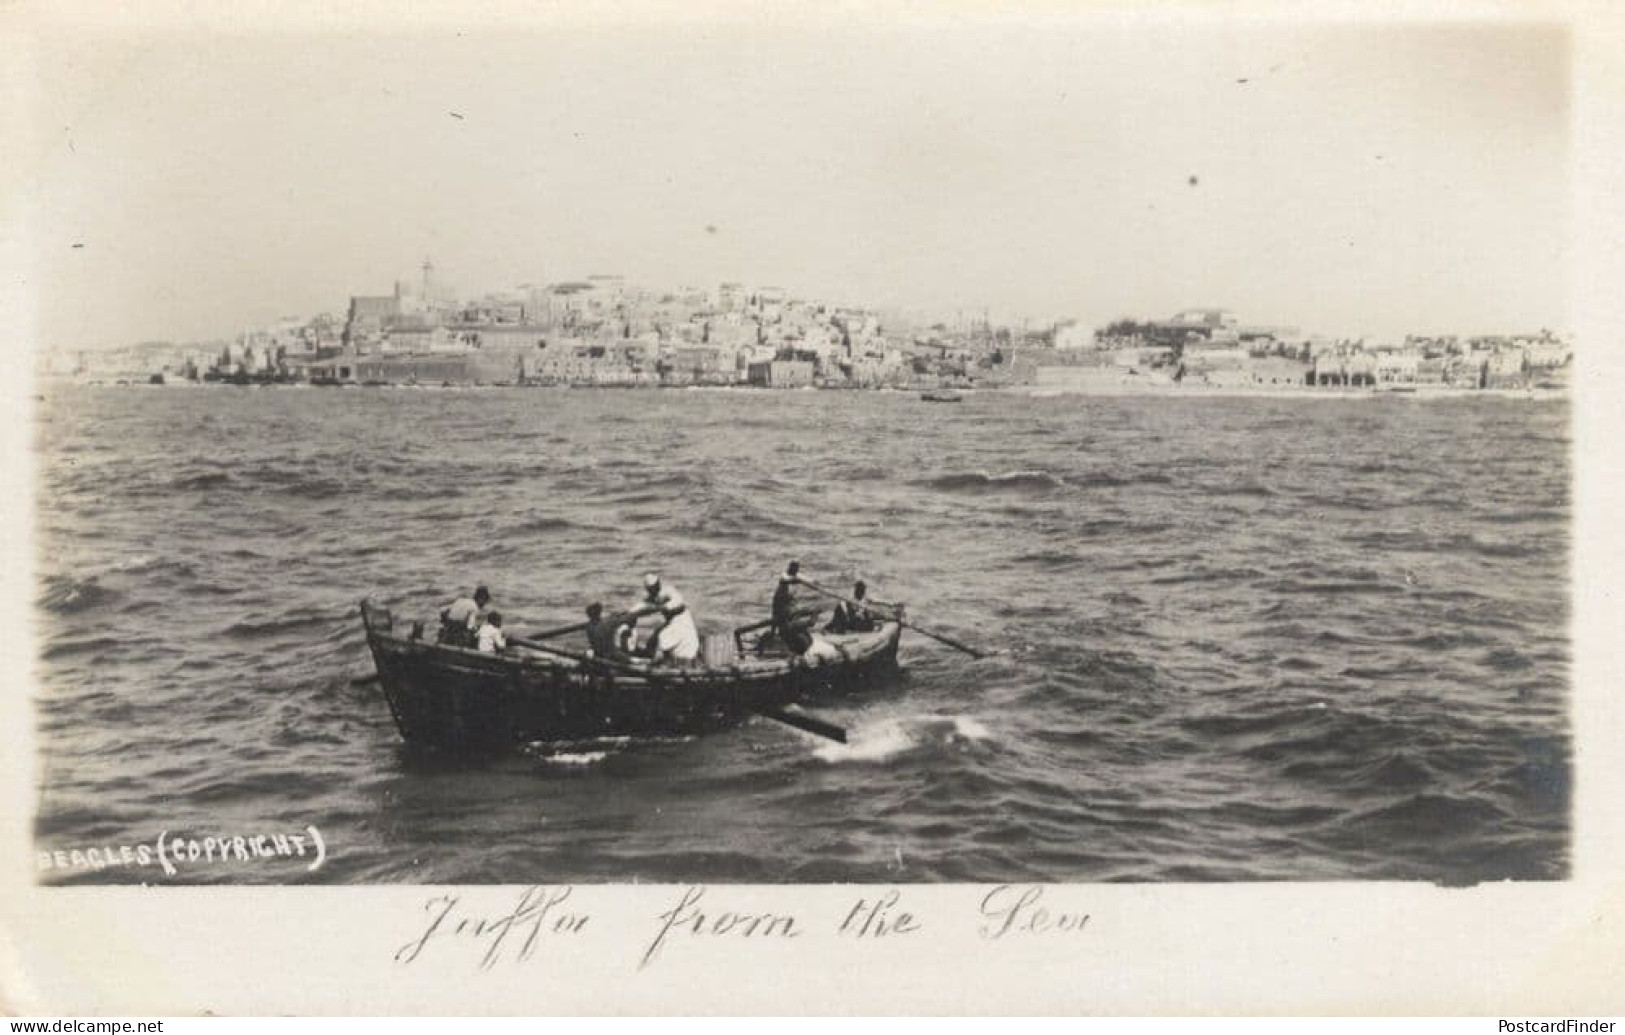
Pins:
x,y
1398,366
781,373
702,363
498,336
1548,355
368,314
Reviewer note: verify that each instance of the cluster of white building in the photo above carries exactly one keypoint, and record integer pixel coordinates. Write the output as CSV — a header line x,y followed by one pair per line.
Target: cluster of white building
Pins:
x,y
602,331
1211,347
596,331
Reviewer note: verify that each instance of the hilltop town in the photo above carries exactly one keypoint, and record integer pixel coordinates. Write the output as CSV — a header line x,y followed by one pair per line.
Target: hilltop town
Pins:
x,y
602,332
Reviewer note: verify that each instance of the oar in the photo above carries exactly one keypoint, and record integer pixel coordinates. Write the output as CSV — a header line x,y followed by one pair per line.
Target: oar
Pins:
x,y
565,630
795,616
803,721
972,651
800,721
583,659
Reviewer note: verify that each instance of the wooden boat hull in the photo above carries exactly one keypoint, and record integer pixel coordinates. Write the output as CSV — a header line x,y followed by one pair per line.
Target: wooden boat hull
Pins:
x,y
454,698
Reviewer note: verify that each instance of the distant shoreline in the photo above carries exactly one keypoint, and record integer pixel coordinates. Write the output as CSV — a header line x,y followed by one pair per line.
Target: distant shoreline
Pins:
x,y
1029,391
1243,392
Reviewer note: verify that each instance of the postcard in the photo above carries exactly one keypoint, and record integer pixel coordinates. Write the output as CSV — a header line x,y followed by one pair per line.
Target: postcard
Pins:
x,y
927,508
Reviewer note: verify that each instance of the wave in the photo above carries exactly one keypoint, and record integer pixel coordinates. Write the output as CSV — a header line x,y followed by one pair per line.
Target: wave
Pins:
x,y
199,482
867,473
730,518
1107,480
1206,575
979,482
66,595
1246,490
533,526
1491,548
251,628
1431,816
1312,588
411,493
93,645
1506,659
1049,560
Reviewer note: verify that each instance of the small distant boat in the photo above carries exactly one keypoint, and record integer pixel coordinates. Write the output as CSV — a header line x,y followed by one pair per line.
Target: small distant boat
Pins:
x,y
460,699
942,397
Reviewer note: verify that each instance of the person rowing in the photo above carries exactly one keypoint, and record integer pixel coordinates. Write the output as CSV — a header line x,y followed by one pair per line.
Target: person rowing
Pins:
x,y
791,631
606,637
784,595
853,616
677,639
460,622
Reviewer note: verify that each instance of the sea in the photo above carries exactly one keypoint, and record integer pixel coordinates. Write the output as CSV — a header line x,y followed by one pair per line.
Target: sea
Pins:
x,y
1242,638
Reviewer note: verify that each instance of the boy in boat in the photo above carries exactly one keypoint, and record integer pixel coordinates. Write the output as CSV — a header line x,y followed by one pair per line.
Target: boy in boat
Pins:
x,y
460,623
853,617
677,639
491,638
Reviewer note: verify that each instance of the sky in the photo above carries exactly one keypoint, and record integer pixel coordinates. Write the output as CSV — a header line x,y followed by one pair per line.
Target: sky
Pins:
x,y
1349,179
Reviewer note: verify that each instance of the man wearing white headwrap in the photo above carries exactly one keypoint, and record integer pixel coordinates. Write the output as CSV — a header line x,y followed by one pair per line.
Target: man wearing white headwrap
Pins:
x,y
677,639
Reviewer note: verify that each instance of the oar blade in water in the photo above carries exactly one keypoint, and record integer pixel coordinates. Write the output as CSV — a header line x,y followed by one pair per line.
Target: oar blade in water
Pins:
x,y
807,723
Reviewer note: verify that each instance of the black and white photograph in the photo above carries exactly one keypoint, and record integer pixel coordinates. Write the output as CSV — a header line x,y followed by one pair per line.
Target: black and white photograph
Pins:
x,y
916,447
1092,455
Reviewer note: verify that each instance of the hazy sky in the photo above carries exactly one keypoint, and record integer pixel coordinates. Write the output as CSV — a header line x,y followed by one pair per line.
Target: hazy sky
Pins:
x,y
1360,180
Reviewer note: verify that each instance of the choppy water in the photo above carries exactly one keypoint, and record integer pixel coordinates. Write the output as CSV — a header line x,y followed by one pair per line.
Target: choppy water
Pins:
x,y
1254,638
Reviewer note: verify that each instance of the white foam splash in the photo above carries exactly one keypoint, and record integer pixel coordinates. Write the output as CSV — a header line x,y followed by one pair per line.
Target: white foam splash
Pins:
x,y
888,738
969,728
579,758
874,743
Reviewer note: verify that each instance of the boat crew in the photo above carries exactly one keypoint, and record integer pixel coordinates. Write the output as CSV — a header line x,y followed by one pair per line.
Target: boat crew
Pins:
x,y
491,639
852,616
784,595
606,638
677,639
460,623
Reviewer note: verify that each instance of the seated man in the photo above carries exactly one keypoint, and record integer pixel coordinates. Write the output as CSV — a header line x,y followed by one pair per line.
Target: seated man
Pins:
x,y
605,637
854,616
677,639
491,639
460,622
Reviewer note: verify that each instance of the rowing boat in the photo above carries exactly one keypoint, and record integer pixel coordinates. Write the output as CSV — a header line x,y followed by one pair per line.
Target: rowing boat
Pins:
x,y
457,698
